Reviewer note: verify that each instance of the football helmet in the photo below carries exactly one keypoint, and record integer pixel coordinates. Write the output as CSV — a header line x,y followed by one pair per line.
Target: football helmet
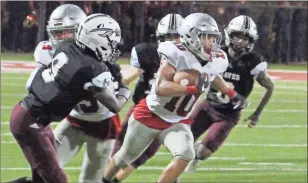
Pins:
x,y
101,34
63,22
168,27
241,26
200,34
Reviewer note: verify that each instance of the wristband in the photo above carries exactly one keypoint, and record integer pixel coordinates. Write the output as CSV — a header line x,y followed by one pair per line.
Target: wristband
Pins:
x,y
191,90
125,92
231,93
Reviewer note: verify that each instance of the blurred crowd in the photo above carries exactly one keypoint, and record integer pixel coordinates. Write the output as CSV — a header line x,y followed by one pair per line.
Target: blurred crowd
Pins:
x,y
282,25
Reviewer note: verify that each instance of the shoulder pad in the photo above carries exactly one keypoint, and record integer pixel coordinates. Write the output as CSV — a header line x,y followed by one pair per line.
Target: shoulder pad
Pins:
x,y
43,53
220,62
256,62
173,52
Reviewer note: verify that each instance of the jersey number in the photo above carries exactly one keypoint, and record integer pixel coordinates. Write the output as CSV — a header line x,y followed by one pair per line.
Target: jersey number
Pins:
x,y
182,105
57,63
88,106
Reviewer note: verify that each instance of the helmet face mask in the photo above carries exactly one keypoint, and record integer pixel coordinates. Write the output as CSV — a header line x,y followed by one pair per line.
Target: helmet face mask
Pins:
x,y
241,34
63,22
210,42
101,34
240,41
62,34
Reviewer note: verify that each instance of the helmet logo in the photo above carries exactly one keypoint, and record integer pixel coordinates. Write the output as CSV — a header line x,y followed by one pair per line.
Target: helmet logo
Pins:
x,y
99,26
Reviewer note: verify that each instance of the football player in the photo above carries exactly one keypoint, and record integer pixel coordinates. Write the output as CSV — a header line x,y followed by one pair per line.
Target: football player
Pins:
x,y
90,122
145,62
217,114
163,113
77,72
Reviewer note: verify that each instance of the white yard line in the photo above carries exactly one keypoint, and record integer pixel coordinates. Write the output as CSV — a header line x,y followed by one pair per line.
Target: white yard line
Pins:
x,y
274,126
199,169
265,145
228,144
213,158
266,163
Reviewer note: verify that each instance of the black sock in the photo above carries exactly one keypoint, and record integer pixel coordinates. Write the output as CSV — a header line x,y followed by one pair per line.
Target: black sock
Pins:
x,y
21,180
106,181
115,180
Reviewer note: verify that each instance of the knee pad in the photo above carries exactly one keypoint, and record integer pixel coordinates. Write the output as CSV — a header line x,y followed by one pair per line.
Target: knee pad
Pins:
x,y
186,153
202,151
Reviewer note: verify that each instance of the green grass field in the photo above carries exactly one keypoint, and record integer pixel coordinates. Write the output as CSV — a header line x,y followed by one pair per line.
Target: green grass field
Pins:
x,y
275,151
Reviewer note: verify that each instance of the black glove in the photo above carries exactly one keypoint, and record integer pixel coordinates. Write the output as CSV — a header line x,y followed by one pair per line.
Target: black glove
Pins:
x,y
239,102
115,70
202,82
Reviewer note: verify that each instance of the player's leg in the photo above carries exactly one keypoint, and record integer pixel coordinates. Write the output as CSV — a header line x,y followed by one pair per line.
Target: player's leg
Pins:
x,y
148,153
95,159
179,140
37,145
71,140
138,137
217,134
201,122
201,119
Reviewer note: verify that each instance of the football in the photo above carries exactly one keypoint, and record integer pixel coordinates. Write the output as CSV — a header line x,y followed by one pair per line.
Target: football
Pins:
x,y
186,77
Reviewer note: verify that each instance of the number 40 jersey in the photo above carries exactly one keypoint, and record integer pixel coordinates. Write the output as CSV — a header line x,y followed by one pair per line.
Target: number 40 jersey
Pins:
x,y
175,109
57,86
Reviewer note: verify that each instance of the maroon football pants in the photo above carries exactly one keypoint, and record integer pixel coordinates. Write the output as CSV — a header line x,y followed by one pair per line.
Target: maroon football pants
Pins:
x,y
38,145
218,123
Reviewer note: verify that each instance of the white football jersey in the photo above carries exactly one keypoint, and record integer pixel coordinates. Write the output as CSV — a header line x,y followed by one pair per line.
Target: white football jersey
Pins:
x,y
43,55
175,109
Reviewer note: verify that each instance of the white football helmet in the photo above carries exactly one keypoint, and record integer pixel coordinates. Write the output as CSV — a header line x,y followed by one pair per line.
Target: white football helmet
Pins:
x,y
101,34
63,23
244,25
168,26
195,29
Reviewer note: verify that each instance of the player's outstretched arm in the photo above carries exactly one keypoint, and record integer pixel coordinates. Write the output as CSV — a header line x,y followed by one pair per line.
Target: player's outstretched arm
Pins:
x,y
103,90
164,85
264,80
133,71
106,97
130,74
